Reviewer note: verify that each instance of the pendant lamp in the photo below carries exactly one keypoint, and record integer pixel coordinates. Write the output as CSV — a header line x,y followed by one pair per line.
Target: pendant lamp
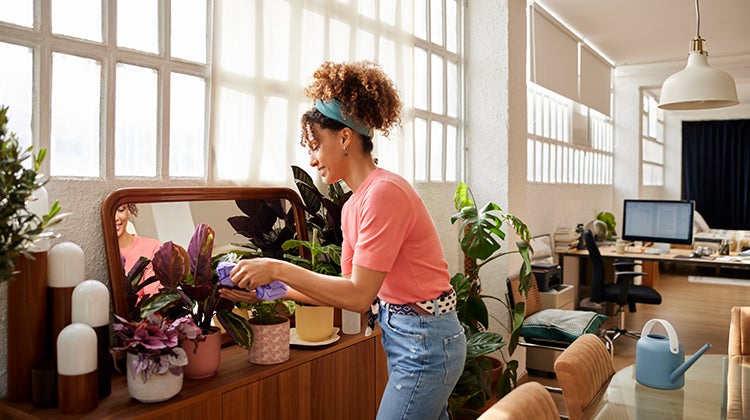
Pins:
x,y
698,86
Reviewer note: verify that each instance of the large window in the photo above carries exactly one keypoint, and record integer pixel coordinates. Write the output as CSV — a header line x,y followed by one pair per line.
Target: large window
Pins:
x,y
569,98
652,140
212,89
122,85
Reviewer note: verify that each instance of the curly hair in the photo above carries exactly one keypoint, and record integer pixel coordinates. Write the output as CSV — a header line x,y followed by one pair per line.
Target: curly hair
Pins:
x,y
364,90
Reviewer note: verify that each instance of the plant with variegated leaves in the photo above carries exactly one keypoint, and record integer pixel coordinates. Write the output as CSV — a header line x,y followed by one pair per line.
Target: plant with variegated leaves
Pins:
x,y
190,286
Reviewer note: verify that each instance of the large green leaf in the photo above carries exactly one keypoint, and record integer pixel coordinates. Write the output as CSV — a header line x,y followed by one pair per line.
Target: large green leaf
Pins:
x,y
483,343
237,328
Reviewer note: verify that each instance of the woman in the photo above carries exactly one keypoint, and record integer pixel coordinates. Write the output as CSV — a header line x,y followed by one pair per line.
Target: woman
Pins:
x,y
391,253
132,246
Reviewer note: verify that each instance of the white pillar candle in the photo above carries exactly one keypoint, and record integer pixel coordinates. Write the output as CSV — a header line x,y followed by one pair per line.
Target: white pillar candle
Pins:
x,y
38,204
90,303
76,350
65,265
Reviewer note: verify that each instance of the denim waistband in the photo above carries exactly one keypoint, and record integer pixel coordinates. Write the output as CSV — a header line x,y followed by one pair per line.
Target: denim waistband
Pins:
x,y
446,302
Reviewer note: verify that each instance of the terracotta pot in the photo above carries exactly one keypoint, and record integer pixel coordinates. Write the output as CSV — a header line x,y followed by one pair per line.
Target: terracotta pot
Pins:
x,y
158,387
313,323
206,360
270,343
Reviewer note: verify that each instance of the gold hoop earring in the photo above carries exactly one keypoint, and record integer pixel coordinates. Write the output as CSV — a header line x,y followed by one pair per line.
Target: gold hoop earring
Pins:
x,y
346,150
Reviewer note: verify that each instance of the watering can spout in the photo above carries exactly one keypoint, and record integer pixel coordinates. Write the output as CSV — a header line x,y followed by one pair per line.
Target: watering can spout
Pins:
x,y
683,367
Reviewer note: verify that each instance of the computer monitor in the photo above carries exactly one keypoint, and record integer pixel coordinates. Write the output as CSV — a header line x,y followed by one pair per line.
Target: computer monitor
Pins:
x,y
660,221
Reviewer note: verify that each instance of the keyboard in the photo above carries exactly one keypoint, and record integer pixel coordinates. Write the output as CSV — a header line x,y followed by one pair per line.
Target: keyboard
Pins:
x,y
654,251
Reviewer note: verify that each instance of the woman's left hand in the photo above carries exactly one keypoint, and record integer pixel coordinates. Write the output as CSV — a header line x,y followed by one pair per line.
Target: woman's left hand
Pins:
x,y
249,274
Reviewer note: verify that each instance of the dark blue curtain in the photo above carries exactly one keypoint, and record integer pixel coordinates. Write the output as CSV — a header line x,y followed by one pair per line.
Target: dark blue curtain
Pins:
x,y
716,171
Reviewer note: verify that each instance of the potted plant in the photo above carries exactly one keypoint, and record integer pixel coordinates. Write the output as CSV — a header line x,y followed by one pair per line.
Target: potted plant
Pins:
x,y
155,360
189,286
315,323
269,321
481,236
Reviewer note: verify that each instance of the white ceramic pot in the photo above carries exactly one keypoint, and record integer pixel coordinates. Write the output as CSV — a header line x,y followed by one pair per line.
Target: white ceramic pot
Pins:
x,y
158,387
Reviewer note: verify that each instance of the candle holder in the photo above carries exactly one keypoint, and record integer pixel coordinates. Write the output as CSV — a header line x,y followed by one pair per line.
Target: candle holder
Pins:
x,y
91,307
77,376
65,270
27,324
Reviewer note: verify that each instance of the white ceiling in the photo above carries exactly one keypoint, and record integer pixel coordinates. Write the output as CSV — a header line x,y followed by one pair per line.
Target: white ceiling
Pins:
x,y
655,31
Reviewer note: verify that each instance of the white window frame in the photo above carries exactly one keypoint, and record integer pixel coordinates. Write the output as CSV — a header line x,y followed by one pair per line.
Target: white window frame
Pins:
x,y
652,140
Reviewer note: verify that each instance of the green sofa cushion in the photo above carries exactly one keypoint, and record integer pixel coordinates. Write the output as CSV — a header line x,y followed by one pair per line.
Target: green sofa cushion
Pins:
x,y
561,324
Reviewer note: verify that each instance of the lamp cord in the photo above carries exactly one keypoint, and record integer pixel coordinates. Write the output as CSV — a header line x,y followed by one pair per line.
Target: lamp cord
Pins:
x,y
698,20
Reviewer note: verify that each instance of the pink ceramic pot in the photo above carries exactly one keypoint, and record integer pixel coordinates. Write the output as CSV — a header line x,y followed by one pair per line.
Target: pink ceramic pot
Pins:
x,y
206,360
270,343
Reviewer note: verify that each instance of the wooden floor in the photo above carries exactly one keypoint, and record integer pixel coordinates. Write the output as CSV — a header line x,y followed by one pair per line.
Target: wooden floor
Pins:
x,y
699,313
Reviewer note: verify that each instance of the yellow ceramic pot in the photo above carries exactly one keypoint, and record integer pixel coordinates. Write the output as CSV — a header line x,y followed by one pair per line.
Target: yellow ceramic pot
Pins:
x,y
313,323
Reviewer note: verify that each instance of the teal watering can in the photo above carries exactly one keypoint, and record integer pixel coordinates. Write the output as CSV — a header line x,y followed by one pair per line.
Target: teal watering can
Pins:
x,y
659,360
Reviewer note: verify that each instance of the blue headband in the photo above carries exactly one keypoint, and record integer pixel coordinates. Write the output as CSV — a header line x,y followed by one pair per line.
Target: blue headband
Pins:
x,y
332,110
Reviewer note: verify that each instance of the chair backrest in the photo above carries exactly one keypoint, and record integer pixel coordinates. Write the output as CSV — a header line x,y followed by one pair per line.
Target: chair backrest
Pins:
x,y
533,300
739,331
597,265
528,401
583,369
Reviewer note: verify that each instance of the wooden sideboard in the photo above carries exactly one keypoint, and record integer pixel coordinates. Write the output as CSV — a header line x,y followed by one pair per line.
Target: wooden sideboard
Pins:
x,y
343,380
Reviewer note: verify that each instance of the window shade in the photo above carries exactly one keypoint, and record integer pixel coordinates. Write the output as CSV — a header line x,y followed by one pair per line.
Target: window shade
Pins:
x,y
596,81
562,63
554,56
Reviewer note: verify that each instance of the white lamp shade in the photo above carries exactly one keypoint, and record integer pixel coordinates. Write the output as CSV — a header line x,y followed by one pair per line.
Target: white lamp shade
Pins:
x,y
90,303
698,86
65,265
76,350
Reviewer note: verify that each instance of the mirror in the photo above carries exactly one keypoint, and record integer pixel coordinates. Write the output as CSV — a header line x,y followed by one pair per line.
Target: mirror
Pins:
x,y
171,213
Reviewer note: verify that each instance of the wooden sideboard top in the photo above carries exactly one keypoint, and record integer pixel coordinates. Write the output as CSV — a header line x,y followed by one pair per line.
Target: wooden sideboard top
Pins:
x,y
235,371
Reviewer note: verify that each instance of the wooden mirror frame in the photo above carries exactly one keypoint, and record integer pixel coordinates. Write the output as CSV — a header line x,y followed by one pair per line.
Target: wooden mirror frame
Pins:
x,y
176,194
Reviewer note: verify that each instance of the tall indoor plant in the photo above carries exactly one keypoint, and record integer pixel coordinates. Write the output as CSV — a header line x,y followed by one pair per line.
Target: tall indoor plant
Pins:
x,y
481,237
19,227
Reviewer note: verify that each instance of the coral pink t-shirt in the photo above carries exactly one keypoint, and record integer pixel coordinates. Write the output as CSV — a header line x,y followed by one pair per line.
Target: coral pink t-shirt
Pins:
x,y
386,227
142,247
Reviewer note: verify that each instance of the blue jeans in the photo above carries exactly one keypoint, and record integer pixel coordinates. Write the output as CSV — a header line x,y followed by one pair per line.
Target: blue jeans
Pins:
x,y
425,359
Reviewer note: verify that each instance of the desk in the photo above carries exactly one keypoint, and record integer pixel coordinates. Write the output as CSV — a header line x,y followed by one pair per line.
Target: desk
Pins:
x,y
572,268
716,387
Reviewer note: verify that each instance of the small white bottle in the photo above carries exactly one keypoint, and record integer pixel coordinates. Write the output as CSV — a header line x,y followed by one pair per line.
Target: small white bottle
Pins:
x,y
351,322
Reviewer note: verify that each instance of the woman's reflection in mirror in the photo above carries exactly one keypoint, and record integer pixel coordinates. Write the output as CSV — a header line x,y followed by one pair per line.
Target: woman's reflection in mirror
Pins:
x,y
133,246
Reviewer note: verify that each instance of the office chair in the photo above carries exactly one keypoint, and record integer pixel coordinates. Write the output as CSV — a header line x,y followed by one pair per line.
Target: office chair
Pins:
x,y
547,332
583,370
739,331
528,401
622,292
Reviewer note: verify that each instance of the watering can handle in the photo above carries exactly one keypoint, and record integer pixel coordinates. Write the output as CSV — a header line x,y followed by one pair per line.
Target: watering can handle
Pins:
x,y
674,344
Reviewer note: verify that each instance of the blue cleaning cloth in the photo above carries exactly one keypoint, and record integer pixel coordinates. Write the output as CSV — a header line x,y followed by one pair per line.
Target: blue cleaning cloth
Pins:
x,y
271,291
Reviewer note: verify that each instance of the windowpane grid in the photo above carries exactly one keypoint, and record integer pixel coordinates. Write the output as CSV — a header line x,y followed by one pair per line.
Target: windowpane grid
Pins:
x,y
550,157
437,86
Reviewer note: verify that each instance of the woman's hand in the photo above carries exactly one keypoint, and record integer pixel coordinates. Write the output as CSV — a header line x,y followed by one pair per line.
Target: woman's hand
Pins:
x,y
238,295
249,274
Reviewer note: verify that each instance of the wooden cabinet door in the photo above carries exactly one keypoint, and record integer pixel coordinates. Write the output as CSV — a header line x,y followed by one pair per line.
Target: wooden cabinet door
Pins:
x,y
339,385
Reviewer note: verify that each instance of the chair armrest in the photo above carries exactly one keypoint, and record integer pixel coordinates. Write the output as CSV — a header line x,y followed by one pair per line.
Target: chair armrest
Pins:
x,y
630,273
